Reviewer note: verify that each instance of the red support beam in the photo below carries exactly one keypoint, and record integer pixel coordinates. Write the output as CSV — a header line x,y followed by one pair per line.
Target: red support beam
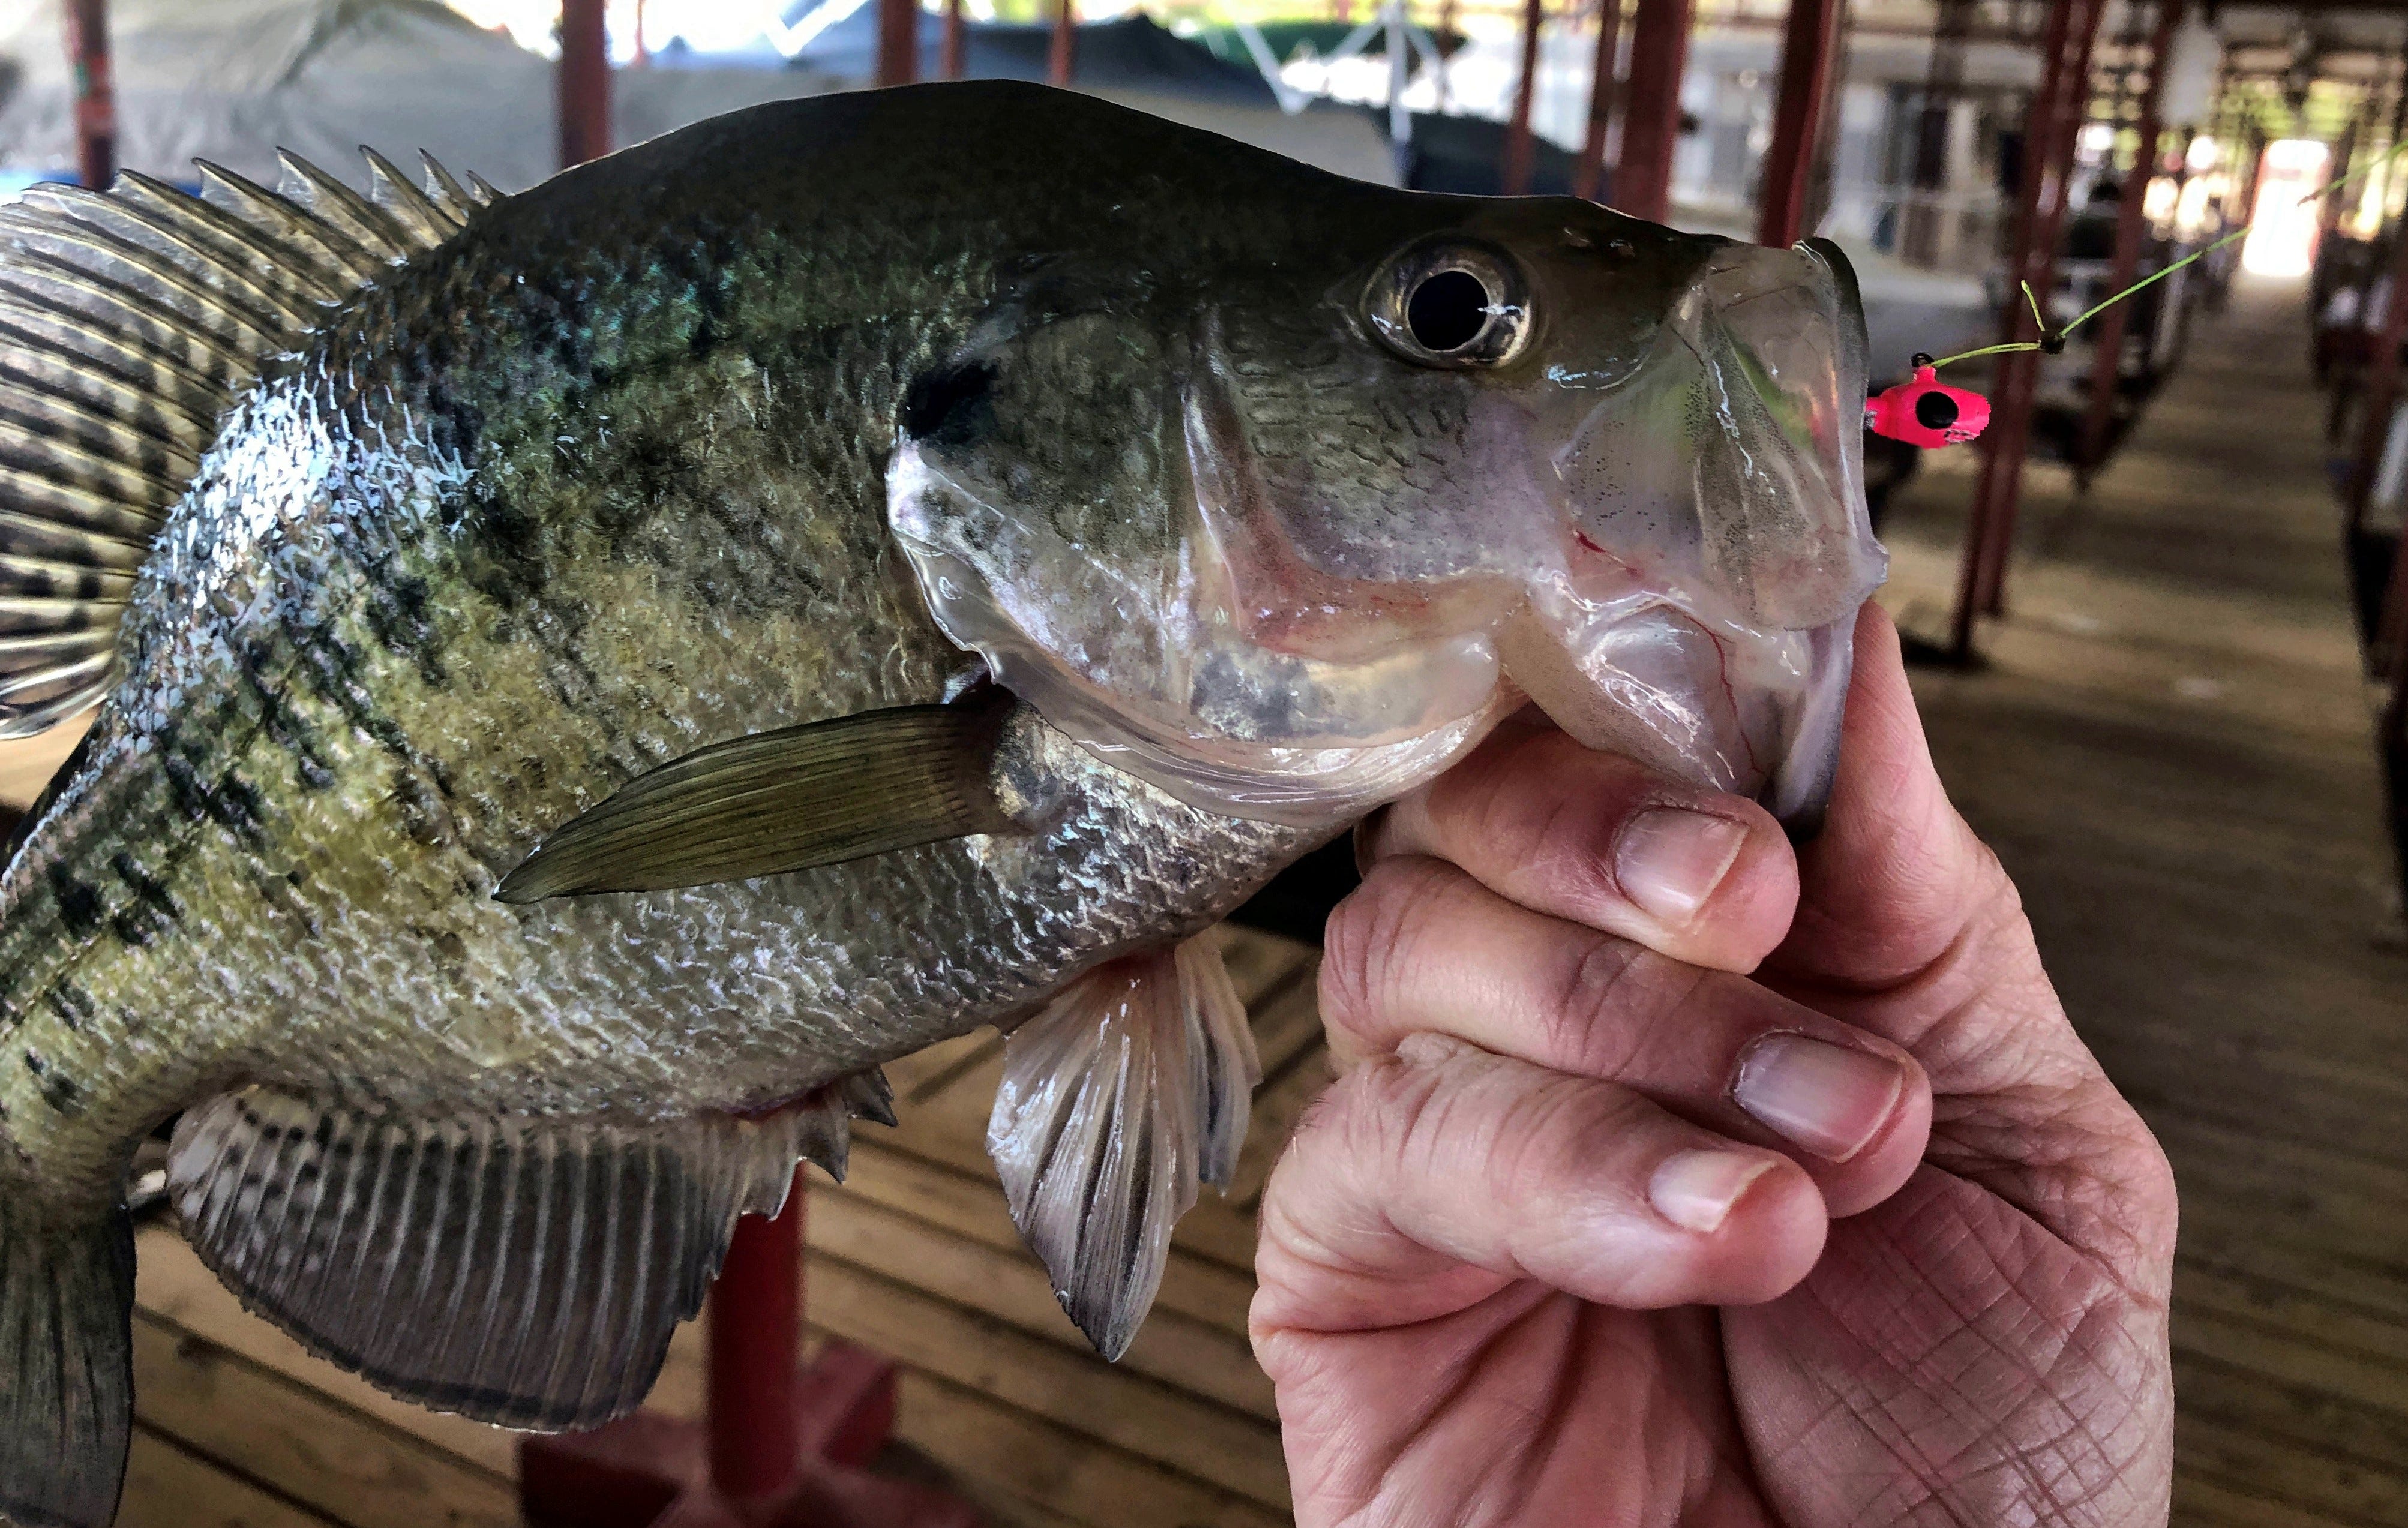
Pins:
x,y
1062,61
2058,109
2106,369
1810,46
898,41
95,99
1590,174
1520,153
949,63
1651,113
756,1328
584,82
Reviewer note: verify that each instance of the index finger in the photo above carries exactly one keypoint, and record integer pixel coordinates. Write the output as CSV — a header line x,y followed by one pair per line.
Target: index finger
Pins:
x,y
1593,838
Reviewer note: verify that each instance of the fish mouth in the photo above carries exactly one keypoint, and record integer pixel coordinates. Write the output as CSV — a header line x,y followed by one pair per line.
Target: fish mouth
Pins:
x,y
1749,712
1667,556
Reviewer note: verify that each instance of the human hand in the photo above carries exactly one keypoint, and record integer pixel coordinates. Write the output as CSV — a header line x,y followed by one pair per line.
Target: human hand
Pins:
x,y
1597,1228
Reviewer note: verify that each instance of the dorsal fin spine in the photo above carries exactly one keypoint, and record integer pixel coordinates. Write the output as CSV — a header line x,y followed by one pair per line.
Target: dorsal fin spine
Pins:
x,y
281,219
267,260
130,321
447,192
424,223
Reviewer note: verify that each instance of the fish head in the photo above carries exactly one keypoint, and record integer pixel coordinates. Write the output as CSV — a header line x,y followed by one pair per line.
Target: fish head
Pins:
x,y
1288,539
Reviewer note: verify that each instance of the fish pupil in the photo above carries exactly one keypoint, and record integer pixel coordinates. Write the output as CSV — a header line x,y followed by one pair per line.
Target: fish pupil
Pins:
x,y
1448,310
1935,410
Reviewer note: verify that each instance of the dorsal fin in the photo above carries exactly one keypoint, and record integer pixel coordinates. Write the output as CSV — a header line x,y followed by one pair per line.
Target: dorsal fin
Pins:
x,y
130,321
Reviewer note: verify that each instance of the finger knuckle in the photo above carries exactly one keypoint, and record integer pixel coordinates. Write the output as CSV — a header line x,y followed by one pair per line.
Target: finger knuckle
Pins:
x,y
1606,997
1370,936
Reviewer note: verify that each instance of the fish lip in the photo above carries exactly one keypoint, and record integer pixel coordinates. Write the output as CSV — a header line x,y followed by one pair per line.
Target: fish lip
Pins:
x,y
1633,687
1800,792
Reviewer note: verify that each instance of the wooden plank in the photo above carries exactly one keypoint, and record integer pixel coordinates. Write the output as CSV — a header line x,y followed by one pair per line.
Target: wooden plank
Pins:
x,y
971,1206
2290,1333
2312,1480
169,1486
2295,1192
1115,1404
27,763
323,1455
1004,1449
2328,1276
2206,1501
2321,1414
1008,1286
173,1286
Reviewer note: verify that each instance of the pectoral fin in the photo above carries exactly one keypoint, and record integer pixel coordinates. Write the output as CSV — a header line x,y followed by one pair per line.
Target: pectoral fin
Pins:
x,y
831,791
1133,1087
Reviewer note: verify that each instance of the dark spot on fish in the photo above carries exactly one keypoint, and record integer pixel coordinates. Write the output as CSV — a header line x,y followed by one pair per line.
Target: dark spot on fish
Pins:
x,y
452,948
73,1005
420,809
287,727
401,615
58,1090
952,405
81,908
152,911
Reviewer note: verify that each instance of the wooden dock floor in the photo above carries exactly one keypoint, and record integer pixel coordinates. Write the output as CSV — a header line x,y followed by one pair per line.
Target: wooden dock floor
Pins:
x,y
2170,749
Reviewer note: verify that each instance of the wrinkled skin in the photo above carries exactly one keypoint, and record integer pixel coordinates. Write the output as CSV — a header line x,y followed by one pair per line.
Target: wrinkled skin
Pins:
x,y
1476,1303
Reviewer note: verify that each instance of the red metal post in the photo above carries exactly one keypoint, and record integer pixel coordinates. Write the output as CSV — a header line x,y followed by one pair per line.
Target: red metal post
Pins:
x,y
898,41
584,82
1519,151
2004,470
950,63
1810,44
95,99
2106,369
1060,64
756,1329
1590,174
643,53
2055,118
1651,113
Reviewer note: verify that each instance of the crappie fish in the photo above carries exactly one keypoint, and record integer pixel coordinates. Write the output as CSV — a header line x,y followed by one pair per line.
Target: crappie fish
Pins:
x,y
585,677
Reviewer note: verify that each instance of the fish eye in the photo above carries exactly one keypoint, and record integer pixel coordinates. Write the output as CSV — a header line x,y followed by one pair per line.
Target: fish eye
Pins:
x,y
1451,303
1935,410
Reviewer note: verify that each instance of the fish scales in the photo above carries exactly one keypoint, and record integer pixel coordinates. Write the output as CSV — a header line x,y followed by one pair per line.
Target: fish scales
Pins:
x,y
534,438
1007,560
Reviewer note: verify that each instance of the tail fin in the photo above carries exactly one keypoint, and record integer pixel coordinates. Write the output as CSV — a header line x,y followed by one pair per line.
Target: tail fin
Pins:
x,y
66,1369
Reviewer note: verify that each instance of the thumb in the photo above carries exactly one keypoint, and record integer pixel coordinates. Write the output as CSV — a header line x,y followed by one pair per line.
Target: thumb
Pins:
x,y
1896,875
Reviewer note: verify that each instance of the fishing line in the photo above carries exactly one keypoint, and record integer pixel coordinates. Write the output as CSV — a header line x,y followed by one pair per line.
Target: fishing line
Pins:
x,y
2052,342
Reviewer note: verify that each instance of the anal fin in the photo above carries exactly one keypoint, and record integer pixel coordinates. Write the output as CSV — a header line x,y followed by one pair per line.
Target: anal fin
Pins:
x,y
1131,1089
521,1271
67,1369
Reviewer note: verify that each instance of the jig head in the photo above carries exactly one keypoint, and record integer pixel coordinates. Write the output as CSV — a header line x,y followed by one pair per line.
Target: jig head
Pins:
x,y
1926,411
